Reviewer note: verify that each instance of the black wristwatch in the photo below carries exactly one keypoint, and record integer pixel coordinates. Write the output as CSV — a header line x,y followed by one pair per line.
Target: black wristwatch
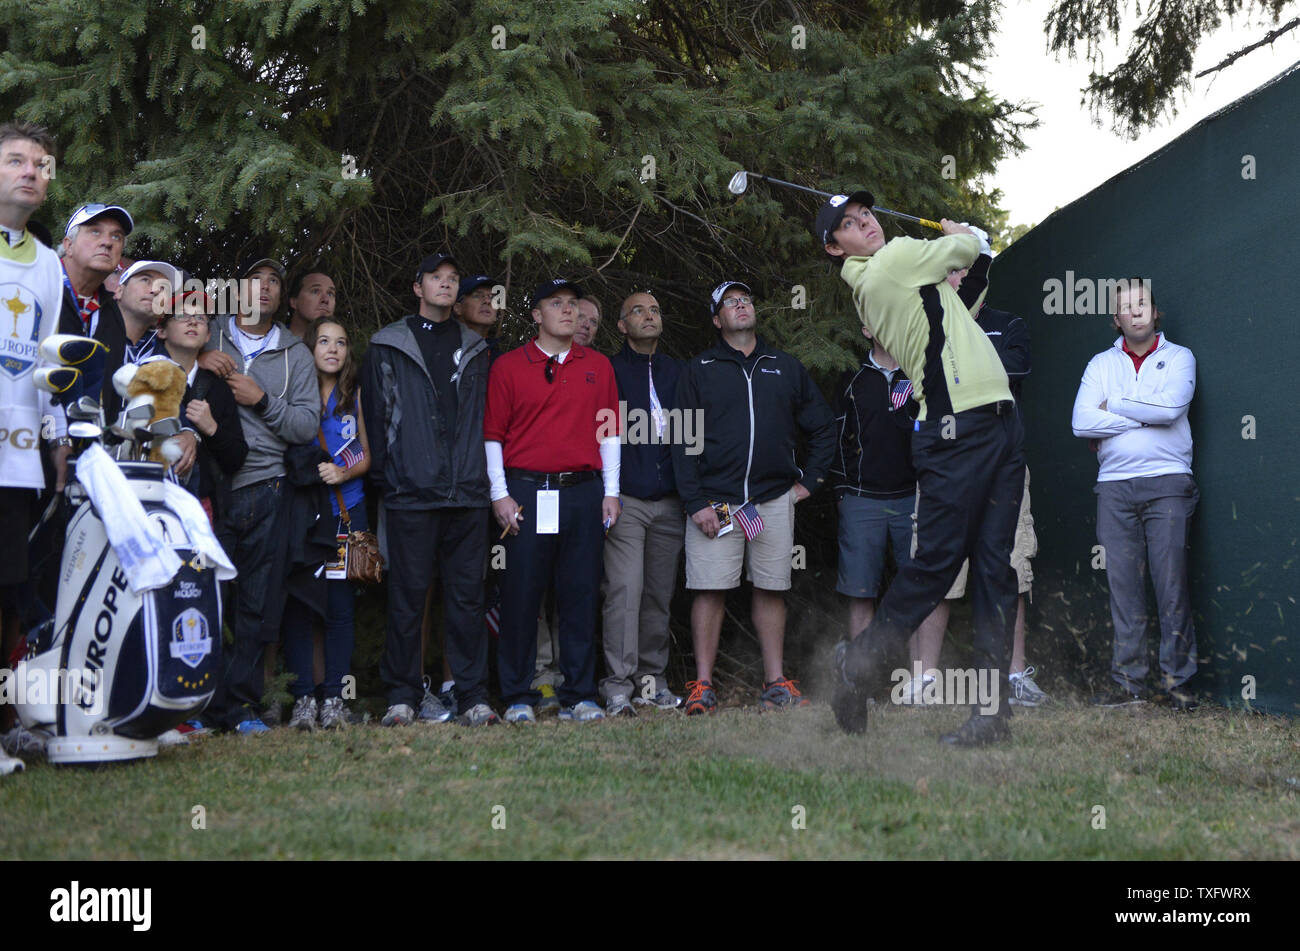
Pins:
x,y
263,403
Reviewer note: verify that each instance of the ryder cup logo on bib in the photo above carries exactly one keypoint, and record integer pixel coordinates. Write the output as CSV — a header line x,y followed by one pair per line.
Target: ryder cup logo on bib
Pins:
x,y
20,322
190,641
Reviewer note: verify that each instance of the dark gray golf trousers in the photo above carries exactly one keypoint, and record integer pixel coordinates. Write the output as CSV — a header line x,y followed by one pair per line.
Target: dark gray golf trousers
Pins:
x,y
1141,523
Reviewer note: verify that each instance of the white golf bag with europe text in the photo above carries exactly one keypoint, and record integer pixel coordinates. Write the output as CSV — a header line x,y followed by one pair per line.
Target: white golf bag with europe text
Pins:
x,y
133,665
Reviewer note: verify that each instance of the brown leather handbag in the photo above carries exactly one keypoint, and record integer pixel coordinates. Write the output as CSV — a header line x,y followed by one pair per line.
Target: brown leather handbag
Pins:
x,y
364,563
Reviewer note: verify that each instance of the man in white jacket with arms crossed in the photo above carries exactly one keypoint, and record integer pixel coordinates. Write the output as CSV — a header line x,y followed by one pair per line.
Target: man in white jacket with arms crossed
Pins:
x,y
1133,402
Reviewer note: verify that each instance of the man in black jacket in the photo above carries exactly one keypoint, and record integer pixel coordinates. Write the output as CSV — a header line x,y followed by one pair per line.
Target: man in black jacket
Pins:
x,y
875,492
424,388
755,399
642,548
92,249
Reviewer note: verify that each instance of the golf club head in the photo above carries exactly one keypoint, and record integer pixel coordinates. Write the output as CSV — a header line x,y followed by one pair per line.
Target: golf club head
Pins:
x,y
82,429
739,182
165,428
122,378
70,350
62,382
134,417
86,409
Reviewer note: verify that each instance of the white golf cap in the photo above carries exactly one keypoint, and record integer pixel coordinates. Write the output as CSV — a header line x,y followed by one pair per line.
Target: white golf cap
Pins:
x,y
159,267
95,210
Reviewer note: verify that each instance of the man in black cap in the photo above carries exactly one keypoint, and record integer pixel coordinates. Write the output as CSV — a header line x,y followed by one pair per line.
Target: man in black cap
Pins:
x,y
552,443
476,308
92,247
755,402
967,448
272,375
424,383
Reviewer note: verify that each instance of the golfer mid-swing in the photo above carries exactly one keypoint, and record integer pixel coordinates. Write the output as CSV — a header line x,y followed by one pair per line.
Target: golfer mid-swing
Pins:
x,y
967,448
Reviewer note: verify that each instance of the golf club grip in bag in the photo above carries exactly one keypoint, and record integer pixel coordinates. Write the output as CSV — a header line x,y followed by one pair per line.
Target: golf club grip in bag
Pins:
x,y
139,664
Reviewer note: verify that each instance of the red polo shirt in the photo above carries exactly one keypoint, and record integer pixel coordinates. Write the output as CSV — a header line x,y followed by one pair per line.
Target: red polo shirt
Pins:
x,y
551,427
1137,361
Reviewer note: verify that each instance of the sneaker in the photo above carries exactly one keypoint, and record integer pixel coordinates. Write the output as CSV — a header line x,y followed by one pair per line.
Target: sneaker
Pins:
x,y
701,699
478,715
619,706
584,711
399,714
273,716
333,715
304,714
1024,692
10,764
173,738
781,695
848,703
431,708
22,740
448,699
251,727
1117,696
549,703
914,691
662,700
520,713
978,731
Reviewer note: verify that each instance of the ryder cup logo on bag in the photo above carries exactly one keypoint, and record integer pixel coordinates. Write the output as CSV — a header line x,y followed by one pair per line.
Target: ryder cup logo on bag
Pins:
x,y
190,641
18,347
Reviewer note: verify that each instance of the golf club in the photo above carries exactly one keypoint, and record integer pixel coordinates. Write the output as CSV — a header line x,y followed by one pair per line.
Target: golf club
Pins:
x,y
740,182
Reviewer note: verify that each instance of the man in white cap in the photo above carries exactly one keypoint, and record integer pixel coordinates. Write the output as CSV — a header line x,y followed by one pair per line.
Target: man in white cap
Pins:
x,y
92,247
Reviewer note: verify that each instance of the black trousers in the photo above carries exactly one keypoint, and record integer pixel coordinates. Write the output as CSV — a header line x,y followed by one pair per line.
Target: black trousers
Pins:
x,y
424,545
574,559
971,474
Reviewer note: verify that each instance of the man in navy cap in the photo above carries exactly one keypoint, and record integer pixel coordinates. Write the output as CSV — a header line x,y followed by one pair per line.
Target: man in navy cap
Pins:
x,y
424,383
92,248
552,443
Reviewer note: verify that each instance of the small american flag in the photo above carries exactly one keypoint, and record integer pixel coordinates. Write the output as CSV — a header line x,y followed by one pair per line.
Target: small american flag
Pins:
x,y
751,523
350,454
493,621
898,395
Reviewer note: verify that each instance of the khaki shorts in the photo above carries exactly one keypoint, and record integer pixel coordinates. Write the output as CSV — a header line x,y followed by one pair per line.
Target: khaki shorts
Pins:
x,y
713,564
1023,549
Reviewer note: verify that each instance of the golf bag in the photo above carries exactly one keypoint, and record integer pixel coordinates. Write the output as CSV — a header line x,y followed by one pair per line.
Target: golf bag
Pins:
x,y
130,666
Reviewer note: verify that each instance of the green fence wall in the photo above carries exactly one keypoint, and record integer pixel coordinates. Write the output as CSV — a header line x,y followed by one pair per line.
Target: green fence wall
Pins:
x,y
1213,219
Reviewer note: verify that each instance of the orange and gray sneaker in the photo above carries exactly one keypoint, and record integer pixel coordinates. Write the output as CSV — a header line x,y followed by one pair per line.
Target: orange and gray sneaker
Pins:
x,y
701,698
781,695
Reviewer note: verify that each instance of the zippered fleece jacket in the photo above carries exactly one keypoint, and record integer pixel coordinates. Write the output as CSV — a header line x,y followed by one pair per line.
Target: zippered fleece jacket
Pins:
x,y
288,375
1143,430
417,463
903,297
754,409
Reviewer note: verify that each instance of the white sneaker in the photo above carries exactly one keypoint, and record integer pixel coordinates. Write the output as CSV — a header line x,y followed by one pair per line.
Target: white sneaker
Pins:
x,y
619,706
173,738
584,711
304,714
1024,692
913,690
10,764
399,714
520,713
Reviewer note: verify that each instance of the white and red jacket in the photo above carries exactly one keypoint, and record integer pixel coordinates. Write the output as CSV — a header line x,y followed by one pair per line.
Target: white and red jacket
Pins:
x,y
1143,431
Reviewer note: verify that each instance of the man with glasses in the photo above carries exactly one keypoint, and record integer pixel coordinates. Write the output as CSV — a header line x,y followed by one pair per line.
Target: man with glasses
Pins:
x,y
755,402
552,446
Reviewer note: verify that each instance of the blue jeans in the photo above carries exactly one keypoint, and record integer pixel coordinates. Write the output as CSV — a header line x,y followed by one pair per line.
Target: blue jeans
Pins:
x,y
339,632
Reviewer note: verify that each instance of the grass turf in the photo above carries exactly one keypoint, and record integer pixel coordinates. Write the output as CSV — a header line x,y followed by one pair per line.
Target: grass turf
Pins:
x,y
1213,784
